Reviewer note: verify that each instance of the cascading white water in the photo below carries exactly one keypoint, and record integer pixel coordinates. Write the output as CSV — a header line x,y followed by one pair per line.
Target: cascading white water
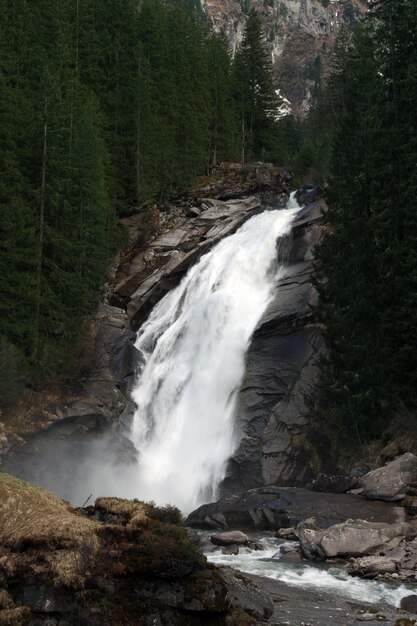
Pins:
x,y
194,344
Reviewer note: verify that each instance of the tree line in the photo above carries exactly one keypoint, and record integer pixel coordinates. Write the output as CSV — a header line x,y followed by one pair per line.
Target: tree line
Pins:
x,y
106,105
368,261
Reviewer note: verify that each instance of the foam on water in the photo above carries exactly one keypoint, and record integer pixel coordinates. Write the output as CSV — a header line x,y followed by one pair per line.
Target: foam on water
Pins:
x,y
307,576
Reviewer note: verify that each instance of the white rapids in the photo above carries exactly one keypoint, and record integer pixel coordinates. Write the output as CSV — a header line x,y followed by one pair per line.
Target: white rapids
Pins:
x,y
194,344
307,576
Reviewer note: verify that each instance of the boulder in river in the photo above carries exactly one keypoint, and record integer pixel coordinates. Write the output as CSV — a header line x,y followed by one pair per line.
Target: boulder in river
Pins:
x,y
409,603
234,537
353,538
371,566
392,481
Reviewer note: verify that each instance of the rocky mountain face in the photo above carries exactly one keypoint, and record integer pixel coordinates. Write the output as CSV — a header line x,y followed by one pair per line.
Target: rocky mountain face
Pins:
x,y
300,34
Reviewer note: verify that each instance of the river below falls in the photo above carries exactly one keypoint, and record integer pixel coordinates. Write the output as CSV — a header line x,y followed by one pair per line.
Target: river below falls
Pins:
x,y
330,578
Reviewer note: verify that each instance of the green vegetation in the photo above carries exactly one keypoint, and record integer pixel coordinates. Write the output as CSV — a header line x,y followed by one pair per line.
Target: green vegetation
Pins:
x,y
106,105
368,260
255,96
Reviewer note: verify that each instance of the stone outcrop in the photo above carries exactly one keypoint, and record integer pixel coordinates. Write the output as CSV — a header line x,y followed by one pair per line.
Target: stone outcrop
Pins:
x,y
300,34
277,442
119,562
214,210
352,538
270,508
392,481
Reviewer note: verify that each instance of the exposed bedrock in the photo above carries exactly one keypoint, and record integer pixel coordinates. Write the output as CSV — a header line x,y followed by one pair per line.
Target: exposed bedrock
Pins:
x,y
277,442
152,272
270,508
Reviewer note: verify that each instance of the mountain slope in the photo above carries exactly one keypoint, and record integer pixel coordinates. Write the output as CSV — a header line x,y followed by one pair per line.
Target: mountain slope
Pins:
x,y
301,35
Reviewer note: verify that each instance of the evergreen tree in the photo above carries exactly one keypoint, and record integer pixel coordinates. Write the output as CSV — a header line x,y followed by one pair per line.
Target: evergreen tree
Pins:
x,y
255,93
368,260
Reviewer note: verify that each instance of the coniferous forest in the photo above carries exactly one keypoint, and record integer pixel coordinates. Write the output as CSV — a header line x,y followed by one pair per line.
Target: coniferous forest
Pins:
x,y
367,123
111,105
106,105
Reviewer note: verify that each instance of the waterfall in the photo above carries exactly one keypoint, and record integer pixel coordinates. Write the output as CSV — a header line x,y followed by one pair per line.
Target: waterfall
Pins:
x,y
194,345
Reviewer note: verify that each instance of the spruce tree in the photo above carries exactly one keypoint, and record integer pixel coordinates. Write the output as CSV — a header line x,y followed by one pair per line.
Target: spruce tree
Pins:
x,y
254,91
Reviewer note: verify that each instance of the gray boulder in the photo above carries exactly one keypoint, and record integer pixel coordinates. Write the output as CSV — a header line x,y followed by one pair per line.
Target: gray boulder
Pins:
x,y
371,566
234,537
352,538
409,603
245,596
392,481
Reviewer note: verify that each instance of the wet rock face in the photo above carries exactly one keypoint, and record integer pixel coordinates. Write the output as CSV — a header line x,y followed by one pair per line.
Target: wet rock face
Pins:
x,y
300,34
214,211
269,508
277,443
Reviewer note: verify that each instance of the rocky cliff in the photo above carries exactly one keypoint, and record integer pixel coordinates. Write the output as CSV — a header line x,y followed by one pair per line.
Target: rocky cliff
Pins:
x,y
300,34
277,443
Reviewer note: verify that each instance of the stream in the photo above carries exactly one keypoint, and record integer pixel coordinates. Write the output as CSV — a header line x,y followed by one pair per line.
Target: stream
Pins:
x,y
330,578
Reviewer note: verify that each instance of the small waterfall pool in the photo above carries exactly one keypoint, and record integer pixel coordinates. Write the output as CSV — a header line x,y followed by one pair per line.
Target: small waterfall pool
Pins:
x,y
305,575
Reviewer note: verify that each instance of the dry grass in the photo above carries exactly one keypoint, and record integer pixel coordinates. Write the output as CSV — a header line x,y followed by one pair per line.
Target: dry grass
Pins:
x,y
6,601
128,510
33,517
15,617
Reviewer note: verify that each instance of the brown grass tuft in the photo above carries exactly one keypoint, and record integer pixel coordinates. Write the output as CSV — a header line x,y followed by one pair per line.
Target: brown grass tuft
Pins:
x,y
33,517
6,601
15,617
127,510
